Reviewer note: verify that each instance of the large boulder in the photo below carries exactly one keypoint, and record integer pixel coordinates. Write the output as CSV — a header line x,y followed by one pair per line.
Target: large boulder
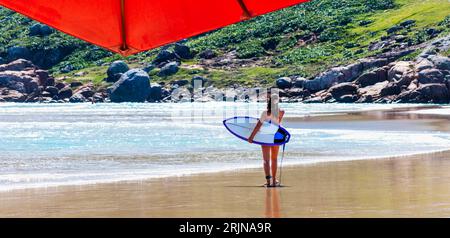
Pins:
x,y
65,93
372,77
298,82
349,98
17,65
21,81
53,91
350,72
428,93
163,57
390,89
156,93
18,52
372,92
401,73
207,54
168,69
183,51
7,95
133,86
423,64
284,82
440,62
343,89
77,98
115,70
431,76
40,30
324,80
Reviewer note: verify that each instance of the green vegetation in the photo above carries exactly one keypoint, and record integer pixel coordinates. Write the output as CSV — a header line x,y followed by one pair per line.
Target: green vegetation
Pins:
x,y
301,40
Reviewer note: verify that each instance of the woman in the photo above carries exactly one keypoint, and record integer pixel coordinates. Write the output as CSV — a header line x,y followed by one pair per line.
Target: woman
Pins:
x,y
273,114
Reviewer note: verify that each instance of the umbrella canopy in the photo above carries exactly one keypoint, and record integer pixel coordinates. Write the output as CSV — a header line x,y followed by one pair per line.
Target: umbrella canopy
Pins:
x,y
131,26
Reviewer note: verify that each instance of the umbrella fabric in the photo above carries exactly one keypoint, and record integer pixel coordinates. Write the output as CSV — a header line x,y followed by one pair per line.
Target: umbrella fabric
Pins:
x,y
131,26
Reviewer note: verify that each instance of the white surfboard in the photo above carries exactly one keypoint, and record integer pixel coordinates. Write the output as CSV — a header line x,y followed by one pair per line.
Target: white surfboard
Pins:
x,y
270,134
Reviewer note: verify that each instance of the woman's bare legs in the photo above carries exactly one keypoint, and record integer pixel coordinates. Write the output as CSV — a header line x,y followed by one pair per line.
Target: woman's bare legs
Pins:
x,y
266,159
274,166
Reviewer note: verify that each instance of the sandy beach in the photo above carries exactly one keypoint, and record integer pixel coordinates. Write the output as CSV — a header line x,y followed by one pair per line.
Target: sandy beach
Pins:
x,y
415,186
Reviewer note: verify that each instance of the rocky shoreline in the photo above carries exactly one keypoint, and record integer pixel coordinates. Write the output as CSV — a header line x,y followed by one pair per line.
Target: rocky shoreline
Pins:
x,y
381,79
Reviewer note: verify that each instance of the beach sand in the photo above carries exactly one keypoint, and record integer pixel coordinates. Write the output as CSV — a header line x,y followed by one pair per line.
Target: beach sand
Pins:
x,y
414,186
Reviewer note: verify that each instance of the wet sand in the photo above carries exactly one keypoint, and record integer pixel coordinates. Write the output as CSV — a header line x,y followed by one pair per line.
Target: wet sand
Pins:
x,y
415,186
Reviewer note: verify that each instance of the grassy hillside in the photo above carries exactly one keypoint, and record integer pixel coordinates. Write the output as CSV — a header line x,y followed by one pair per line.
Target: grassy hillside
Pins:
x,y
302,40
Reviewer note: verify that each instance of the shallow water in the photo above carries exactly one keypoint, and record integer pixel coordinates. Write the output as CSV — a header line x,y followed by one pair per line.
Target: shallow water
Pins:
x,y
61,144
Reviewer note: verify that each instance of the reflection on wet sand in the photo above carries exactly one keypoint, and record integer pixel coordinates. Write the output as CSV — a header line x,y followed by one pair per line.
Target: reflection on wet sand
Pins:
x,y
272,206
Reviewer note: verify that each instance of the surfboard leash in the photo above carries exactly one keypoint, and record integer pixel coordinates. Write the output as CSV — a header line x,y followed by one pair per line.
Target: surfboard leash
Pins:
x,y
281,162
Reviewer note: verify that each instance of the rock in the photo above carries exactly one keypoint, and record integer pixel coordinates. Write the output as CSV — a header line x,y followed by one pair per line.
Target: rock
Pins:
x,y
86,92
164,56
402,73
400,38
18,52
432,31
407,23
7,95
399,69
52,90
75,84
297,93
40,30
183,51
394,29
314,100
17,65
181,82
372,77
323,81
198,81
298,82
349,98
60,85
65,93
207,54
50,82
21,81
77,98
369,63
155,93
117,67
168,69
379,45
429,93
423,64
390,89
149,68
351,72
339,90
431,76
80,74
284,82
441,62
67,68
413,85
133,86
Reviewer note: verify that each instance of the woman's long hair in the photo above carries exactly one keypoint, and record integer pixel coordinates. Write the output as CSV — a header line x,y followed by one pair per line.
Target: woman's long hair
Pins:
x,y
272,104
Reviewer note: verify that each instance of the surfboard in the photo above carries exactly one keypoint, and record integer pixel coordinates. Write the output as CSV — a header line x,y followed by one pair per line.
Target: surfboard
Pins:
x,y
270,134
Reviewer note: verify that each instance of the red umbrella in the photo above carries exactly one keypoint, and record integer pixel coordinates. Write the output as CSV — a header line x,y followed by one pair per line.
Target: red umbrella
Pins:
x,y
131,26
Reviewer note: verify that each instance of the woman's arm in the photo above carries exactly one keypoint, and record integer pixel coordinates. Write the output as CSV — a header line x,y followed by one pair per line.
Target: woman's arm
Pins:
x,y
257,127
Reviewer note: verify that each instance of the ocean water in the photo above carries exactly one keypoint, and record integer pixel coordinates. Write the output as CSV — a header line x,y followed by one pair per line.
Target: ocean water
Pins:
x,y
72,144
